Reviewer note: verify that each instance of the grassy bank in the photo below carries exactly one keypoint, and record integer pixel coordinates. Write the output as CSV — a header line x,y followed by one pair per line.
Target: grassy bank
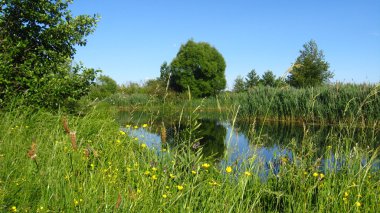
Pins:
x,y
89,165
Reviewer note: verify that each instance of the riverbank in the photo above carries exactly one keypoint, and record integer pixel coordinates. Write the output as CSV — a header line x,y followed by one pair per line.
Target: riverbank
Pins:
x,y
57,162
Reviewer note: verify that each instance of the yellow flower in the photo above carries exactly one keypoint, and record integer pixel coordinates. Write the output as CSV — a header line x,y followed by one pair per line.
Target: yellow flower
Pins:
x,y
172,176
321,176
163,150
180,187
164,196
145,125
118,141
121,132
135,127
358,204
147,173
205,165
154,169
154,177
228,169
193,172
315,174
213,183
138,191
76,202
143,145
346,194
13,209
128,126
345,200
247,173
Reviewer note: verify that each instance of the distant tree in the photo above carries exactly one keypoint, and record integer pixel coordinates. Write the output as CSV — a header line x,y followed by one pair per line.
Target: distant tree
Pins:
x,y
268,79
310,68
104,87
252,79
200,67
164,72
37,44
239,85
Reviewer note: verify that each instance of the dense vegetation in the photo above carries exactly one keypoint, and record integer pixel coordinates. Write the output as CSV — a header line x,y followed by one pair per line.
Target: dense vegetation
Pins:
x,y
63,163
198,67
37,44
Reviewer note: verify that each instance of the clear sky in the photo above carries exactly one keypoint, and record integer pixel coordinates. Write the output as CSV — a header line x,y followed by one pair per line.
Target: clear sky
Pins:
x,y
134,37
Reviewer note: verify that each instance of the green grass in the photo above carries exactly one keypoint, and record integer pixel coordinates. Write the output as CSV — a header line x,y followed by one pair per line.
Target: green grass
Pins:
x,y
111,172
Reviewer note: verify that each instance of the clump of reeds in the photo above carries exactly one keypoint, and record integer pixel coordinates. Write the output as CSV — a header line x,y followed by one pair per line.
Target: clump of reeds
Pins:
x,y
163,133
65,124
73,139
32,153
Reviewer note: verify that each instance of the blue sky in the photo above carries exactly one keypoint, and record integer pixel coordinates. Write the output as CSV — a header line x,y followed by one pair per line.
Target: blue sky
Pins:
x,y
134,37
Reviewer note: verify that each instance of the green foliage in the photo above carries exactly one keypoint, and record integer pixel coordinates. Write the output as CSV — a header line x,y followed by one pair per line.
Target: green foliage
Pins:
x,y
104,87
38,40
239,85
310,68
252,79
351,104
268,79
200,67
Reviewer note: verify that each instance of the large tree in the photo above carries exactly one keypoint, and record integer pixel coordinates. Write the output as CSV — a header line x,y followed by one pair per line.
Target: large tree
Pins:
x,y
200,67
37,45
310,68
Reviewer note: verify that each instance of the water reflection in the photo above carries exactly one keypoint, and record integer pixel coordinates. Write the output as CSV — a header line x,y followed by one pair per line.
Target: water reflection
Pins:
x,y
268,143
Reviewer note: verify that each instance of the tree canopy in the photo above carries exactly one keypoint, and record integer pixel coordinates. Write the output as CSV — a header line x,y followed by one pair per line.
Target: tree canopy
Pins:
x,y
310,68
37,45
200,67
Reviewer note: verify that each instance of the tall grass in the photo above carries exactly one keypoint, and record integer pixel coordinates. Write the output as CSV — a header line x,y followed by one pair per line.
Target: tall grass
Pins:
x,y
109,171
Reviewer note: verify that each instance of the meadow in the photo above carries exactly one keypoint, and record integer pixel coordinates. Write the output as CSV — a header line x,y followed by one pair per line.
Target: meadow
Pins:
x,y
57,162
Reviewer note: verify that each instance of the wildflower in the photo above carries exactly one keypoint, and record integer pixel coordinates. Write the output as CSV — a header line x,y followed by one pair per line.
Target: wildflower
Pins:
x,y
213,183
345,194
32,153
345,200
358,204
321,176
154,177
305,172
13,209
172,176
164,150
193,172
167,187
164,196
205,165
138,191
315,174
147,173
247,173
135,127
145,125
118,141
228,169
128,126
92,166
180,187
76,202
143,145
121,132
154,169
